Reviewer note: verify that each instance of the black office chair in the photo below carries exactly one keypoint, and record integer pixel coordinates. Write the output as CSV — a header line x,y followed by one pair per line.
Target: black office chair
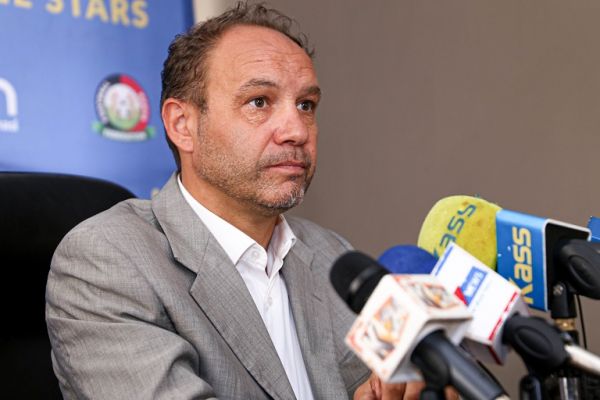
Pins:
x,y
36,211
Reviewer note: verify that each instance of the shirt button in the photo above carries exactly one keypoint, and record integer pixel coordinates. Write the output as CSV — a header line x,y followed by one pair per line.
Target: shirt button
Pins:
x,y
269,301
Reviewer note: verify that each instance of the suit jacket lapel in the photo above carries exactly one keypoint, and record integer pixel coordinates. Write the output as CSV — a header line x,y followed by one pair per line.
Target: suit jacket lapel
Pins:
x,y
220,291
308,300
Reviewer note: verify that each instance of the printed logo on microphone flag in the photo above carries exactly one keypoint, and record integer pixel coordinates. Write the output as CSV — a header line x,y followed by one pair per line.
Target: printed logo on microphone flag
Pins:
x,y
431,295
472,283
383,332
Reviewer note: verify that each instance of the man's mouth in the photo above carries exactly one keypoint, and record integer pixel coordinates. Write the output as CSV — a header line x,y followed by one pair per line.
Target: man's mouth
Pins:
x,y
291,166
290,163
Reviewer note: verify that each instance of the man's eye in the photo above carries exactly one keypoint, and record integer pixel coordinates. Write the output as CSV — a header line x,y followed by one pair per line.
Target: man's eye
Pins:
x,y
306,106
259,102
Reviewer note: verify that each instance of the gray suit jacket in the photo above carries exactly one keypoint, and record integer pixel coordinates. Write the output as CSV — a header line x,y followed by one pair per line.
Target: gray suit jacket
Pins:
x,y
142,302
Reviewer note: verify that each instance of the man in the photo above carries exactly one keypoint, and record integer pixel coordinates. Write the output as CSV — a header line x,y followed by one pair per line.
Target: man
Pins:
x,y
207,290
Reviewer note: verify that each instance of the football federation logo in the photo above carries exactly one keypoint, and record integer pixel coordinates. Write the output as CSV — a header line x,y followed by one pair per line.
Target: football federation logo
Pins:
x,y
123,109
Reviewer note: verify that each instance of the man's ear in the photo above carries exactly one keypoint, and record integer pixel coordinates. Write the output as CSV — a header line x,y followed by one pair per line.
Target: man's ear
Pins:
x,y
180,120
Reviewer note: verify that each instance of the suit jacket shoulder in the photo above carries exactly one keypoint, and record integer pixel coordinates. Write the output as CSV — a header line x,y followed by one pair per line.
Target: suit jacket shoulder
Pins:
x,y
111,333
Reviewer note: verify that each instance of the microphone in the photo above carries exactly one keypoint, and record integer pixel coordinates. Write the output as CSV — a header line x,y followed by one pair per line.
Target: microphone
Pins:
x,y
499,319
409,323
487,295
407,259
544,348
354,276
534,253
490,298
467,221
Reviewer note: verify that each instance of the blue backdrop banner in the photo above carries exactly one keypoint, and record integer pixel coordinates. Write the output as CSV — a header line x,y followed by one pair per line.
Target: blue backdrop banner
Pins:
x,y
80,87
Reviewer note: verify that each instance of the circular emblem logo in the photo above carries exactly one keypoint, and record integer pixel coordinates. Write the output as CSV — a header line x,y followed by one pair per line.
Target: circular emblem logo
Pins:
x,y
123,109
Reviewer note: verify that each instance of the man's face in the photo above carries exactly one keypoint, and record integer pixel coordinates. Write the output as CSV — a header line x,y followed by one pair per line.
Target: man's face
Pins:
x,y
256,141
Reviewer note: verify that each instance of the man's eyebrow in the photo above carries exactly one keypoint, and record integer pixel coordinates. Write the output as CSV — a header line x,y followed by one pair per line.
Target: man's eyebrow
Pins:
x,y
312,90
265,83
254,83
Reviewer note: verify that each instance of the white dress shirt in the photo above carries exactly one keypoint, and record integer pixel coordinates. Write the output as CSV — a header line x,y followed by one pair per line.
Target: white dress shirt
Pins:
x,y
260,271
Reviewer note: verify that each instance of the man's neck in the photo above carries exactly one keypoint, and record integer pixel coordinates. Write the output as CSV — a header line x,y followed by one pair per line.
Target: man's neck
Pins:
x,y
239,214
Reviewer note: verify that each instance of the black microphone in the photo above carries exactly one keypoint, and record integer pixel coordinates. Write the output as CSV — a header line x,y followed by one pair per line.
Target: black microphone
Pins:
x,y
354,276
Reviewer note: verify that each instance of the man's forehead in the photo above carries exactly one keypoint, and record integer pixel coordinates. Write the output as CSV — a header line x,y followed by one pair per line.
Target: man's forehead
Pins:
x,y
248,49
243,38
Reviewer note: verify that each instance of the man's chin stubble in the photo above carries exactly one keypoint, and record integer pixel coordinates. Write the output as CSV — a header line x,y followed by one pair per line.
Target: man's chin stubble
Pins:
x,y
279,206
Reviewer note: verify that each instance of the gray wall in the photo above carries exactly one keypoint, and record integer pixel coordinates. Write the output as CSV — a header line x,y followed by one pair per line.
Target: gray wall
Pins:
x,y
424,99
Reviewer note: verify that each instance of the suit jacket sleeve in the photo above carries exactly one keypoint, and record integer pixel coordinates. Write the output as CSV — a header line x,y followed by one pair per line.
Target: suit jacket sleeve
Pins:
x,y
111,337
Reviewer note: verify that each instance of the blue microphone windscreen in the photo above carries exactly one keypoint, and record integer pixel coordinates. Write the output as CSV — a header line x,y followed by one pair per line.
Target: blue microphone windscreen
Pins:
x,y
407,259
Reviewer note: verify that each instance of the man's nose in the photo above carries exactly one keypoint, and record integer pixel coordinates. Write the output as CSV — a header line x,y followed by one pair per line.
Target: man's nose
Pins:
x,y
292,127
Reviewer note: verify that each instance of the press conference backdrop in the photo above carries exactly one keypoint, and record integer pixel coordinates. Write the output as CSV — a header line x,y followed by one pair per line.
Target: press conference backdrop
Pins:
x,y
80,87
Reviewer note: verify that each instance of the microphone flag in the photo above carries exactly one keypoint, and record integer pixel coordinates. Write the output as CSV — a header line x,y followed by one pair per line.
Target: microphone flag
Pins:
x,y
490,298
526,246
401,311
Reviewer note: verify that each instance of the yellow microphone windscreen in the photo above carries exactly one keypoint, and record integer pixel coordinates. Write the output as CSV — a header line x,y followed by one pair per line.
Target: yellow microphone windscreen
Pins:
x,y
468,221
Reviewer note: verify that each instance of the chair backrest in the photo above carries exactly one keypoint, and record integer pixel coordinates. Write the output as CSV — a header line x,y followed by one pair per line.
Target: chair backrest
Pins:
x,y
36,211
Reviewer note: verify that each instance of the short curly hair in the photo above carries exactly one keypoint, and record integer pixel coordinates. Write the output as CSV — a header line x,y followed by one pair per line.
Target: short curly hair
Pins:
x,y
184,71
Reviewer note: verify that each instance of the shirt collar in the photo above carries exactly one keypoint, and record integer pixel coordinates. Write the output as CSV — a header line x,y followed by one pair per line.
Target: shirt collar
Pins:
x,y
282,240
234,241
